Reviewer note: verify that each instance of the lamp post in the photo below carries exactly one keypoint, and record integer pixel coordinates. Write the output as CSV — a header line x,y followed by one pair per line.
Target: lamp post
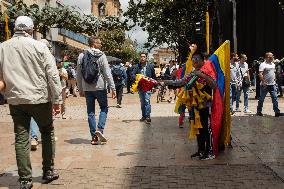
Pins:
x,y
235,25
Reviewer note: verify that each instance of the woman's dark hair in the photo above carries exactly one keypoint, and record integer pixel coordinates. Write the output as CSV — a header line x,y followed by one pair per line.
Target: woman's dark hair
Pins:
x,y
199,54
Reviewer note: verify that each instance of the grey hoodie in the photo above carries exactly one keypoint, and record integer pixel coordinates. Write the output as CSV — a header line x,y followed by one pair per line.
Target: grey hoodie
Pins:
x,y
105,77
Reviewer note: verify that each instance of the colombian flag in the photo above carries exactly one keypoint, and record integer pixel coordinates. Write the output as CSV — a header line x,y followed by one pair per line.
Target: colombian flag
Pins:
x,y
220,114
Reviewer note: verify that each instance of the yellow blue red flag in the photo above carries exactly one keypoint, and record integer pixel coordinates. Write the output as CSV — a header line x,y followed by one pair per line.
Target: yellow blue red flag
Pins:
x,y
220,115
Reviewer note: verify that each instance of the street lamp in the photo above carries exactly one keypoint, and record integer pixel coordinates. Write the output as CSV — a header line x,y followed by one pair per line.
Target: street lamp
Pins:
x,y
235,25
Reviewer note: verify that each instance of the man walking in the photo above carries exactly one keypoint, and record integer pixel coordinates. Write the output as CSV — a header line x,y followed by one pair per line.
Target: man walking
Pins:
x,y
119,78
267,78
93,76
31,89
146,69
245,77
129,79
71,81
235,82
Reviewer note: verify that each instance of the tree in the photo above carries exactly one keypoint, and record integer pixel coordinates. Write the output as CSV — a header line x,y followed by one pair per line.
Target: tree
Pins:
x,y
168,21
111,29
63,17
114,43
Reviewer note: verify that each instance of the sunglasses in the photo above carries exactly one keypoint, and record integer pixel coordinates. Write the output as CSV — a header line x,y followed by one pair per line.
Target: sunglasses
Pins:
x,y
196,59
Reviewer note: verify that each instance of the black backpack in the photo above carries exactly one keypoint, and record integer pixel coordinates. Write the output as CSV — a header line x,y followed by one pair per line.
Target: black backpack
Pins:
x,y
90,68
117,74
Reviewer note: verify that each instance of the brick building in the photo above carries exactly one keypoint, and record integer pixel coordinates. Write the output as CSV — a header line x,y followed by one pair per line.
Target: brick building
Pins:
x,y
162,56
102,8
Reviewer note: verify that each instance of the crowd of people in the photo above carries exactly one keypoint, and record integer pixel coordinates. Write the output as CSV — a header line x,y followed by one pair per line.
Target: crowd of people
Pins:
x,y
268,77
37,88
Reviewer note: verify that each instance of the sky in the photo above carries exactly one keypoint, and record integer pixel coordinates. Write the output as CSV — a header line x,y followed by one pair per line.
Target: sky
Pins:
x,y
135,34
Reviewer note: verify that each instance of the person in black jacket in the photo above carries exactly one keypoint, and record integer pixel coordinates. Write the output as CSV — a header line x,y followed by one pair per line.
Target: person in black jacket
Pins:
x,y
129,78
147,69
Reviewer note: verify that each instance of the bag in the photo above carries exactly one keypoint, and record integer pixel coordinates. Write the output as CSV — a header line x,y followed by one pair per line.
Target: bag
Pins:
x,y
246,81
90,68
70,73
117,74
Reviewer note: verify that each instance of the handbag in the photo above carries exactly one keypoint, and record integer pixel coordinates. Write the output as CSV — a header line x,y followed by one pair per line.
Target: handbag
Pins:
x,y
245,79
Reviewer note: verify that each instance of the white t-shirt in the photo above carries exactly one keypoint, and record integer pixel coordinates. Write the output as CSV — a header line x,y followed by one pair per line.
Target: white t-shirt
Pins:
x,y
268,70
63,81
244,69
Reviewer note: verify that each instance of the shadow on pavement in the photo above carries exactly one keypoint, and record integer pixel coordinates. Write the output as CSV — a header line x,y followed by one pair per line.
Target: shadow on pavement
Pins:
x,y
78,141
8,180
162,158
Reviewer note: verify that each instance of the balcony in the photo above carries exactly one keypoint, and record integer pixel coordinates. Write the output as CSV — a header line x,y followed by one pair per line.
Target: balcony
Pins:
x,y
74,36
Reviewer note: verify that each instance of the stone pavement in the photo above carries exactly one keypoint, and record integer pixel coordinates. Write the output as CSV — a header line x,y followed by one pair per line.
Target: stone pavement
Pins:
x,y
156,156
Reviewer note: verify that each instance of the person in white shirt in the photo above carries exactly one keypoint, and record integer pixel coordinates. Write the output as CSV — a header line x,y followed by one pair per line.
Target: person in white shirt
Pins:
x,y
235,82
245,84
268,84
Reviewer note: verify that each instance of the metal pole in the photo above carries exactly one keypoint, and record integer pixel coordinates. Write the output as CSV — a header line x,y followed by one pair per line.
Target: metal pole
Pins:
x,y
235,26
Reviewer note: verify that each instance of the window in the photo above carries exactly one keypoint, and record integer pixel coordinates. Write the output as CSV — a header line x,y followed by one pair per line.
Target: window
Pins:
x,y
101,8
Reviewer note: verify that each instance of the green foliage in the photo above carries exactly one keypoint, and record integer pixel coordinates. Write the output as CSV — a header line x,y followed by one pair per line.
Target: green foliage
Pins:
x,y
168,21
63,17
111,29
115,44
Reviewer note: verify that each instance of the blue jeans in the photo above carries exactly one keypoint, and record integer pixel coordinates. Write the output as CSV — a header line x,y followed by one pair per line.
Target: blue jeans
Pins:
x,y
145,103
101,96
263,92
238,94
233,95
34,129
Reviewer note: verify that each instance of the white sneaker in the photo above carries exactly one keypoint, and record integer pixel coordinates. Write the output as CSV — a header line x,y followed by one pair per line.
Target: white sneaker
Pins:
x,y
34,144
247,111
101,136
237,110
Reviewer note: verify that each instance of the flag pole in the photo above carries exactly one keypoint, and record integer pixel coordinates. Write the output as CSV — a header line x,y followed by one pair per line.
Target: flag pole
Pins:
x,y
7,27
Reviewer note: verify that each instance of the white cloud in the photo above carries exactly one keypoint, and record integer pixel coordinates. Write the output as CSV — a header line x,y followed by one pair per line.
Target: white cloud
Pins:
x,y
84,5
135,34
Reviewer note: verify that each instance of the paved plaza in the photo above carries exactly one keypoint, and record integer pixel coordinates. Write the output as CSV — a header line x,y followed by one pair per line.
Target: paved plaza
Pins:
x,y
156,156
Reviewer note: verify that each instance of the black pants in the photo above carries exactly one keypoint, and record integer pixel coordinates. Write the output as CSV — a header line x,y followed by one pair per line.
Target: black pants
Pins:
x,y
128,85
204,139
119,91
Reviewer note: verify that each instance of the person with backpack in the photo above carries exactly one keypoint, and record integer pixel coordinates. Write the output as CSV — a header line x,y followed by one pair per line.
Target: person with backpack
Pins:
x,y
71,82
93,76
119,78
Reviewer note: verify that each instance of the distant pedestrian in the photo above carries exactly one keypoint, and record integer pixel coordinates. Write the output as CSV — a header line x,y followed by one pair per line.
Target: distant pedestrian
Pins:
x,y
129,82
268,84
31,89
63,74
71,82
235,82
169,74
245,84
279,76
119,78
93,76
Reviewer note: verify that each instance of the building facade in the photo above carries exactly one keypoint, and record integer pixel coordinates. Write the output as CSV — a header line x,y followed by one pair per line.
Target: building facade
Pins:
x,y
259,27
60,39
162,56
102,8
